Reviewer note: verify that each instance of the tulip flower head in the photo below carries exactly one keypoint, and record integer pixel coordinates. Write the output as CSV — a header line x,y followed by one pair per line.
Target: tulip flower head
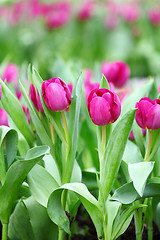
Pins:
x,y
104,106
56,94
131,136
116,72
148,113
10,73
3,118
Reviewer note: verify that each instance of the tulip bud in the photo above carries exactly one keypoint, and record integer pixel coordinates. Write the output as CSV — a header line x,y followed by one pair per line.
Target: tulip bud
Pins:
x,y
35,98
116,72
104,106
10,73
3,118
56,94
148,113
131,136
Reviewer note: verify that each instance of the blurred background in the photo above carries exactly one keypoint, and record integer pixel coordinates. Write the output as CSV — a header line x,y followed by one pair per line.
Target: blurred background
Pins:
x,y
82,33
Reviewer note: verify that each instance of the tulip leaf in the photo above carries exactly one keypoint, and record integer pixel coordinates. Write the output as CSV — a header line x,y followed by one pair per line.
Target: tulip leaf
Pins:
x,y
104,83
53,117
57,214
114,152
127,194
139,173
19,225
137,132
41,184
74,128
13,107
135,157
118,225
14,178
11,140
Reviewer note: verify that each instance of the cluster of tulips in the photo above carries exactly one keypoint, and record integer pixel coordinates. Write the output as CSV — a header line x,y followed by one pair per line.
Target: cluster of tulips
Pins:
x,y
44,133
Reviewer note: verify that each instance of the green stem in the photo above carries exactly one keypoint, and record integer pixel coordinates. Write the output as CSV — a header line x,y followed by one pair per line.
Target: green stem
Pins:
x,y
61,235
2,166
148,147
150,219
4,231
138,223
52,133
65,126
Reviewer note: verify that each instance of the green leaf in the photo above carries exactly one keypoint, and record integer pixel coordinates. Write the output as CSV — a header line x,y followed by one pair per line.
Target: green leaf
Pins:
x,y
19,225
137,132
112,208
11,137
114,152
53,117
135,157
73,129
123,218
13,107
139,173
41,184
15,177
43,227
104,83
57,214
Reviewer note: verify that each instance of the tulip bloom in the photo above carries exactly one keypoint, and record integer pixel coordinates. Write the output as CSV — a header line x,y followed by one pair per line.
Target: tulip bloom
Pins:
x,y
154,16
116,72
104,106
56,94
10,73
131,136
148,113
86,11
35,98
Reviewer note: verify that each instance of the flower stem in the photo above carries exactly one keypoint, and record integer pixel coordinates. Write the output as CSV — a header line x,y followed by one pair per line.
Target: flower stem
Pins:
x,y
4,231
138,223
52,133
103,139
65,126
61,235
150,219
148,147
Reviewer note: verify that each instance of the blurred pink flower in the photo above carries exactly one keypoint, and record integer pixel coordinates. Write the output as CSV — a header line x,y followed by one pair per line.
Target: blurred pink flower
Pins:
x,y
154,16
10,74
86,10
130,12
3,118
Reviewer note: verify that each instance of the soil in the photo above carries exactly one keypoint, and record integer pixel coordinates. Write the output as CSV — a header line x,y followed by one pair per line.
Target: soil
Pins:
x,y
91,233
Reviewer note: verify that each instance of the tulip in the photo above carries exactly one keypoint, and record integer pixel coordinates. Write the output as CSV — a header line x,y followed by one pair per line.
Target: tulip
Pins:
x,y
10,73
86,10
116,72
130,12
56,94
26,111
3,118
104,106
154,16
148,113
35,98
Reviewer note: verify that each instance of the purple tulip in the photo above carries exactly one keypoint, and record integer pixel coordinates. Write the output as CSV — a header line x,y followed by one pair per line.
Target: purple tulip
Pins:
x,y
148,113
56,94
104,106
116,72
35,98
3,118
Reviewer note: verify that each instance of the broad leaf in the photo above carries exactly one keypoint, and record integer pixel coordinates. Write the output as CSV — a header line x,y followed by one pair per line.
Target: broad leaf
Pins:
x,y
114,152
15,177
19,224
57,214
139,173
41,184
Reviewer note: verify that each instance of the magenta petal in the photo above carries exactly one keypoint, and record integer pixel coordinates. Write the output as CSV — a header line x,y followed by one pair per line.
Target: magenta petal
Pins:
x,y
100,111
56,97
153,117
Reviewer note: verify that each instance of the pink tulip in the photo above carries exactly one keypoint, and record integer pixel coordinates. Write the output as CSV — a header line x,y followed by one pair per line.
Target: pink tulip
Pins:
x,y
3,118
35,98
104,106
116,72
148,113
58,14
56,94
154,16
86,10
10,73
130,12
